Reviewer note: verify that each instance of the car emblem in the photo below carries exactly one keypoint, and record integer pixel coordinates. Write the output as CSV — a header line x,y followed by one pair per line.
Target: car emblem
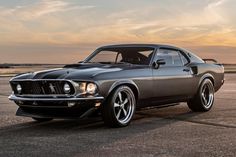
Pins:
x,y
52,88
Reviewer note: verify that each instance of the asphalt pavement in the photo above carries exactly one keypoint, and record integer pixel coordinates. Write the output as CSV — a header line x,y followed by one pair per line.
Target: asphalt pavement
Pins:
x,y
171,131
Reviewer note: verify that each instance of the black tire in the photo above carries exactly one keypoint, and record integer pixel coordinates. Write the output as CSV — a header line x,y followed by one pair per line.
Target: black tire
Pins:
x,y
204,99
42,119
119,108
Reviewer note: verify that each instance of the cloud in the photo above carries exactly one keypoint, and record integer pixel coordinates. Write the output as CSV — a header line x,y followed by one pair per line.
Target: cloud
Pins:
x,y
41,8
215,4
57,23
63,22
41,22
186,24
46,7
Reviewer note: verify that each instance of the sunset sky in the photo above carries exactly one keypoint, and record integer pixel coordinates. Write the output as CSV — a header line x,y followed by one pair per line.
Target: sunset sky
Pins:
x,y
40,31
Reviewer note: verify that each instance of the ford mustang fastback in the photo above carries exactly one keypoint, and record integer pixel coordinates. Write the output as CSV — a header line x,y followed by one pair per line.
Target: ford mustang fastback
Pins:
x,y
116,80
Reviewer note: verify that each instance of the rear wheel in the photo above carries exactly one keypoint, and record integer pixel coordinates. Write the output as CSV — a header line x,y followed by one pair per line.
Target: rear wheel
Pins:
x,y
204,99
42,119
119,107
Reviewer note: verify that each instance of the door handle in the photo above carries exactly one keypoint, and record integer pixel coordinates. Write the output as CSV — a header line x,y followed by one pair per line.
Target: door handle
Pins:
x,y
186,70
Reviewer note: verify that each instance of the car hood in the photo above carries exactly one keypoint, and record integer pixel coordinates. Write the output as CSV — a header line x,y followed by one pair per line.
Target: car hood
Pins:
x,y
77,71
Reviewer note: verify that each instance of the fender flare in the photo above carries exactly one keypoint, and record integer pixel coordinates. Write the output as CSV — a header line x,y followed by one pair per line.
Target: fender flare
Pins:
x,y
207,75
129,83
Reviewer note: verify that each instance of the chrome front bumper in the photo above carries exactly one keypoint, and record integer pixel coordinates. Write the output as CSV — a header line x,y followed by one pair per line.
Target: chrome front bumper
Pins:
x,y
19,98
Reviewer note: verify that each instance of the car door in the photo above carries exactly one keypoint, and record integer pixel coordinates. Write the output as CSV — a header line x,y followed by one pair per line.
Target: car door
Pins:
x,y
174,78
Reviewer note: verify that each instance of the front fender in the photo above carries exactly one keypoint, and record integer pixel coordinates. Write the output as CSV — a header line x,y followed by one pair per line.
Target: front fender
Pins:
x,y
128,83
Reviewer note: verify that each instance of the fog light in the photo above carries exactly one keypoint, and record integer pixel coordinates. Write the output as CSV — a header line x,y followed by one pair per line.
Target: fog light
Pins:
x,y
19,88
66,88
91,88
71,104
19,102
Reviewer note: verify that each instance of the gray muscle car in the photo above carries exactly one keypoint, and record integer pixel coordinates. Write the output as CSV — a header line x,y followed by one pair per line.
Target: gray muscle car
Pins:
x,y
116,80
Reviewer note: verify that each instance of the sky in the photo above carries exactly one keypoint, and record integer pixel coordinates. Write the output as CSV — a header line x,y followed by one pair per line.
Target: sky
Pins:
x,y
57,31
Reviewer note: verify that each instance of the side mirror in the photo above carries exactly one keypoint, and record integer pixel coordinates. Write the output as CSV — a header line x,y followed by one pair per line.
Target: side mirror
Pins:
x,y
158,62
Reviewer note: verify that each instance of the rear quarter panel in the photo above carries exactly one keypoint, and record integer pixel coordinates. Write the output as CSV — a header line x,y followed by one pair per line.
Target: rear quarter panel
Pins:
x,y
205,70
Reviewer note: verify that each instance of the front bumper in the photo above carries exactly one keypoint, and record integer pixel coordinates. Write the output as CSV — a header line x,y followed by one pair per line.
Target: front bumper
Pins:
x,y
19,98
55,101
56,107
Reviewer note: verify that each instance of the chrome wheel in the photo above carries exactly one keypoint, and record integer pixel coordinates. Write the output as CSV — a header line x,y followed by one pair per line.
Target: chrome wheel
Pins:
x,y
119,108
124,106
207,95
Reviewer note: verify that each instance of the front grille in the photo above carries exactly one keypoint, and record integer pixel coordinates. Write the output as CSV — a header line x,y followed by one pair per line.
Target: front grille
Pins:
x,y
42,87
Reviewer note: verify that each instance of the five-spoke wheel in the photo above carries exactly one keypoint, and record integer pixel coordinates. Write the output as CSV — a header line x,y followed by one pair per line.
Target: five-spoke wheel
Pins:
x,y
123,106
119,108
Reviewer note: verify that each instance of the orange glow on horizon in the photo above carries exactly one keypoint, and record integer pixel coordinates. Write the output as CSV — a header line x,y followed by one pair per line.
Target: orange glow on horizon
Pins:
x,y
29,28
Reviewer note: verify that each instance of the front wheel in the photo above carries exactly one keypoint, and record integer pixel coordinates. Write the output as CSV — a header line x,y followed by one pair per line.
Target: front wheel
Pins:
x,y
42,119
119,108
204,99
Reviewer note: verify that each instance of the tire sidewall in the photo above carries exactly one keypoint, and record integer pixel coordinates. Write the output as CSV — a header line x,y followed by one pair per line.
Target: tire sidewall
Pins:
x,y
112,101
204,82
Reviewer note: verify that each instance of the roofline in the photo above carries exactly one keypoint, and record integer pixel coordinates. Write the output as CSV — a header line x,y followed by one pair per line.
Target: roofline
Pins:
x,y
140,45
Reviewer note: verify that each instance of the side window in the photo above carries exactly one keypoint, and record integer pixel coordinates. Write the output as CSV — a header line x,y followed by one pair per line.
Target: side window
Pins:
x,y
171,57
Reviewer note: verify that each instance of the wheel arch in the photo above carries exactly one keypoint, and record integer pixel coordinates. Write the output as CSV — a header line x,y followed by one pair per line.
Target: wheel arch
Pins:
x,y
128,83
207,76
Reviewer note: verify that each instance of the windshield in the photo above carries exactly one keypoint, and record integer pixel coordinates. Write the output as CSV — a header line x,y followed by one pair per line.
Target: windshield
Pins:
x,y
122,55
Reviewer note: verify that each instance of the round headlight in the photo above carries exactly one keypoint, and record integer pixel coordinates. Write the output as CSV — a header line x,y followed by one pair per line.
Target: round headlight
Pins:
x,y
91,88
66,88
19,88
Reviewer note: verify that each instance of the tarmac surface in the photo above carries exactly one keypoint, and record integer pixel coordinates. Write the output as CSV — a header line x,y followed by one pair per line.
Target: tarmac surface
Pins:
x,y
171,131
